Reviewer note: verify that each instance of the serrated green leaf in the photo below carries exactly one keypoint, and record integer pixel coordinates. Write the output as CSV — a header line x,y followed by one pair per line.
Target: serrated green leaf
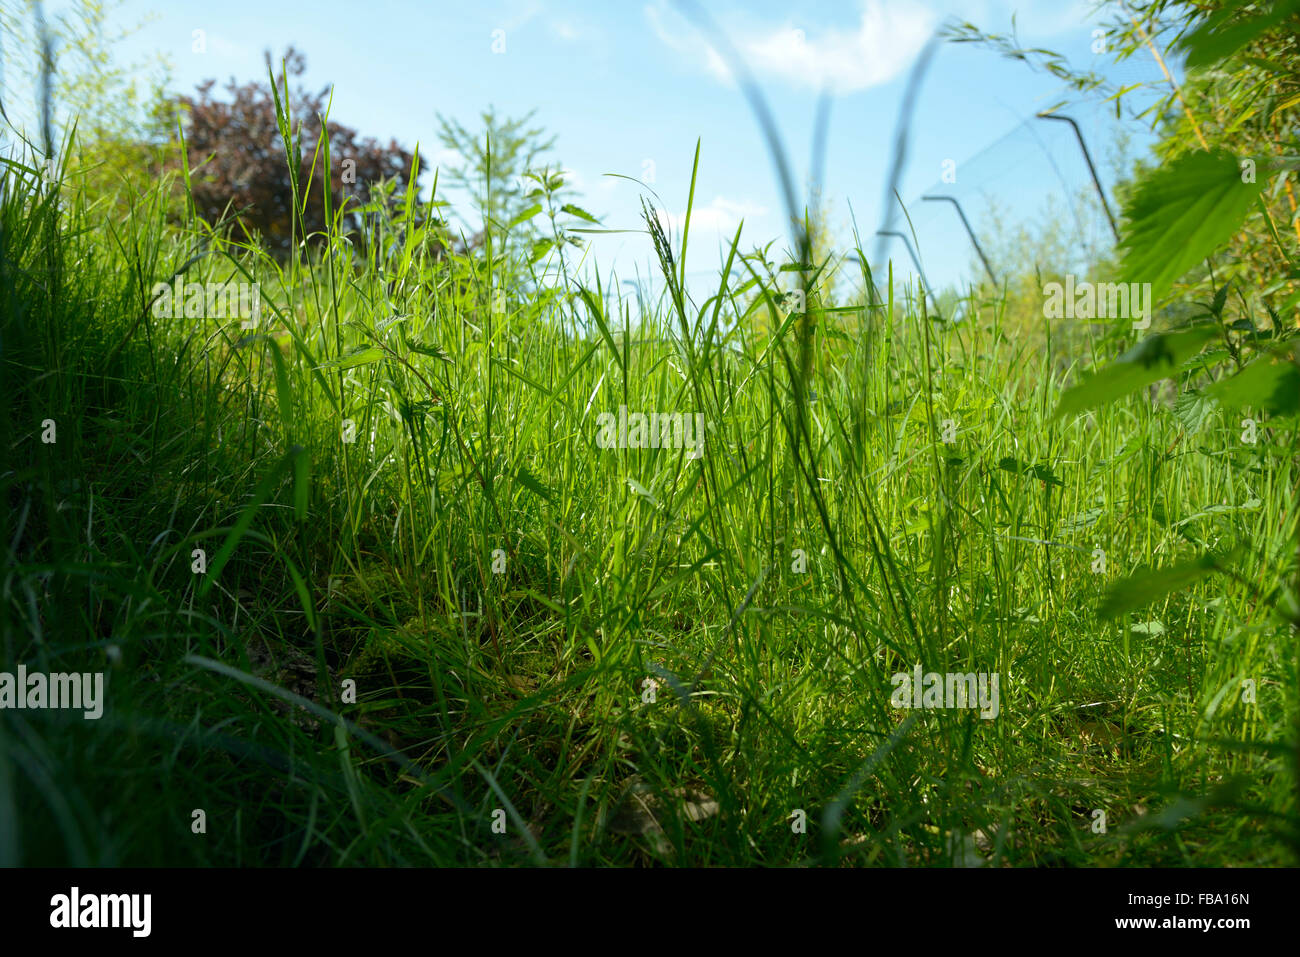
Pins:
x,y
540,249
1147,585
412,411
1212,357
427,350
1182,213
1220,297
383,324
578,211
359,357
1040,472
1082,520
1192,409
524,216
1268,383
1152,359
531,482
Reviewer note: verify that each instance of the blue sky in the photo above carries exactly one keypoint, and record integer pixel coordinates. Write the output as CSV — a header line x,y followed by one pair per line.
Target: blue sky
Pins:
x,y
628,87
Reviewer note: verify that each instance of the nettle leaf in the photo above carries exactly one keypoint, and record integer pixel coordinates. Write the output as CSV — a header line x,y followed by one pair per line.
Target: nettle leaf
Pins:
x,y
363,356
1268,383
1040,472
1223,34
383,324
1157,357
524,216
578,211
531,482
540,249
1220,298
1212,357
1181,213
1193,409
427,350
1146,586
1082,520
413,412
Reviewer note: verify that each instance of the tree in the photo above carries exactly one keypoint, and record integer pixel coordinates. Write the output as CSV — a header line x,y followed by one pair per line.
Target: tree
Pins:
x,y
119,111
238,164
493,165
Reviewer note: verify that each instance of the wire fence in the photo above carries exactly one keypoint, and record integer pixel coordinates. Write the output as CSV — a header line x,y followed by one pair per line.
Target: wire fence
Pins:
x,y
1037,199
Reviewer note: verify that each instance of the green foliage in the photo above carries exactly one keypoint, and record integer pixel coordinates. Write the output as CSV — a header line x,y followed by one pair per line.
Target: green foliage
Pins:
x,y
1240,96
493,162
1245,107
1181,214
1154,358
323,169
1232,26
1150,584
358,466
119,110
1271,383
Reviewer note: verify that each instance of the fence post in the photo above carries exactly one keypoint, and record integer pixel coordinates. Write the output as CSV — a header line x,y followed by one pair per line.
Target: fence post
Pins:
x,y
1092,170
969,232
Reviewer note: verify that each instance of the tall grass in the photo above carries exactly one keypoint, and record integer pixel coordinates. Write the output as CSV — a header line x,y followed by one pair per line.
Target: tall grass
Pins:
x,y
471,391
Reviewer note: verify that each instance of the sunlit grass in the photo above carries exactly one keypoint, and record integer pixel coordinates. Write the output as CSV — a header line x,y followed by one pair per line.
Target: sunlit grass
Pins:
x,y
355,467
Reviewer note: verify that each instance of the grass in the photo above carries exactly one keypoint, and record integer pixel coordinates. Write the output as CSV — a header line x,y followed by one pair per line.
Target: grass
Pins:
x,y
348,682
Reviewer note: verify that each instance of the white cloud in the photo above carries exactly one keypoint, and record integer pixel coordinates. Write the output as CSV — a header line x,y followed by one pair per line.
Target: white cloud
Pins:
x,y
1034,18
721,216
564,31
888,35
